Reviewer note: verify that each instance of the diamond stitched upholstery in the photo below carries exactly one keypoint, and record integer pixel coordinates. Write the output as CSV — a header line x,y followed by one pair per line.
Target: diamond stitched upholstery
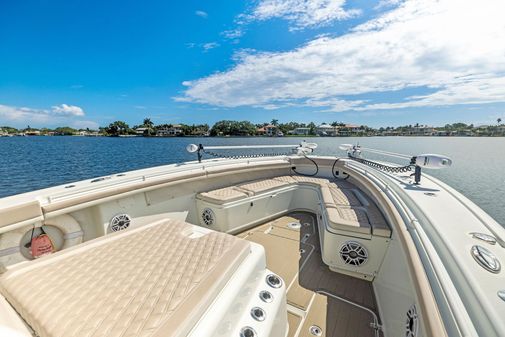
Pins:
x,y
223,195
345,211
343,197
262,185
312,180
125,284
286,179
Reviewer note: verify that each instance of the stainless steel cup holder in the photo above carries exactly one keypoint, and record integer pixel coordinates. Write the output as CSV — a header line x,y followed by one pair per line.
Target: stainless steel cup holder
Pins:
x,y
247,331
274,281
258,314
266,296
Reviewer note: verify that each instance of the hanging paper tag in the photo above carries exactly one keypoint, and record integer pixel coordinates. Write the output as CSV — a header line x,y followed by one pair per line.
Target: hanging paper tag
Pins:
x,y
41,245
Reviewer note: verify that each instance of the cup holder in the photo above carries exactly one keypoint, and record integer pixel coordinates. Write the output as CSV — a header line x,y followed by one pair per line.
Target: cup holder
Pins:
x,y
266,296
274,281
247,331
258,314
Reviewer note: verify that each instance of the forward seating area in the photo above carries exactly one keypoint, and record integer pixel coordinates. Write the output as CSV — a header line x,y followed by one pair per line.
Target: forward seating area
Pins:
x,y
347,208
346,213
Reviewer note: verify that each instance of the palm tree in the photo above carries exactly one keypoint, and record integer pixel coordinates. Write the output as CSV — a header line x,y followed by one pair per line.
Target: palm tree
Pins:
x,y
274,122
498,121
148,123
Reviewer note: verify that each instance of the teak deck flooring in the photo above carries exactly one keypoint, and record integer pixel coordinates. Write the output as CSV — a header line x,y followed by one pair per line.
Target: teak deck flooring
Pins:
x,y
295,255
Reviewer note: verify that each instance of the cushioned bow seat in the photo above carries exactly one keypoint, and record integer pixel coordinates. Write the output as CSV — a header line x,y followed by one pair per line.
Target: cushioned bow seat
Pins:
x,y
261,186
156,280
223,195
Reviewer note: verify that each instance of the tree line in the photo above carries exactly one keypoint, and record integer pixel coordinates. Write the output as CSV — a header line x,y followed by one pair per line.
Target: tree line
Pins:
x,y
246,128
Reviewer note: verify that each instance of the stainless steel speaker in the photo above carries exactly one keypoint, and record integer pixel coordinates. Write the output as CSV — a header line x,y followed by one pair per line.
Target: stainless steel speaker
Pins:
x,y
119,222
208,217
353,253
412,323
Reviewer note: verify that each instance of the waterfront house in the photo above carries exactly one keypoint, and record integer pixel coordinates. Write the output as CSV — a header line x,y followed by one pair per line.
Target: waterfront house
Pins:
x,y
327,130
268,130
174,130
32,133
300,131
421,130
141,131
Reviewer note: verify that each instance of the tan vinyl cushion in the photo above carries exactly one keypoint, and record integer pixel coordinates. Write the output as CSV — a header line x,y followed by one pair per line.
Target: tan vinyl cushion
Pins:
x,y
312,180
223,195
349,219
286,179
378,222
343,197
327,197
156,280
260,186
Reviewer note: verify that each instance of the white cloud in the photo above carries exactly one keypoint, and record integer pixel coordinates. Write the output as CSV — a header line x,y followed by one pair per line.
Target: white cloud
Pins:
x,y
233,33
58,114
67,110
202,14
454,48
12,113
303,13
209,45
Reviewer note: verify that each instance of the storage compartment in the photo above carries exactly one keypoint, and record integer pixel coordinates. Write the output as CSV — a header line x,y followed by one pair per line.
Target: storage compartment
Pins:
x,y
238,215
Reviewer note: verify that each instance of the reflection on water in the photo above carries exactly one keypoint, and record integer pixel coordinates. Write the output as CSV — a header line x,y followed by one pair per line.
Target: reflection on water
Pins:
x,y
29,163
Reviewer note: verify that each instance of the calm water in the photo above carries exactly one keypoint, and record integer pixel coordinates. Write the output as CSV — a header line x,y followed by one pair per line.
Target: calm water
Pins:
x,y
29,163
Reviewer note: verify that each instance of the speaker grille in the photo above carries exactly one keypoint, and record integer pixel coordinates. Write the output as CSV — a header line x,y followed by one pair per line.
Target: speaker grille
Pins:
x,y
353,253
208,217
119,222
412,323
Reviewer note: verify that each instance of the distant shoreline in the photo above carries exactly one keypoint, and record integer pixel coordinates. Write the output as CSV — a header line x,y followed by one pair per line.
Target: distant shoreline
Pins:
x,y
231,128
261,137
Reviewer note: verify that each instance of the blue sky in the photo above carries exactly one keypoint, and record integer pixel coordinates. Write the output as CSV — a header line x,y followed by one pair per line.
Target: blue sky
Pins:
x,y
88,63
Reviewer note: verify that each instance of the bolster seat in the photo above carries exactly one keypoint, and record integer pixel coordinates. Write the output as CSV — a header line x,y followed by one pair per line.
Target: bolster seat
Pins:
x,y
157,280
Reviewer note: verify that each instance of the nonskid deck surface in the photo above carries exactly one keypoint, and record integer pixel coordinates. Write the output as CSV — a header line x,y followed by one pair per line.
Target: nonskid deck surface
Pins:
x,y
294,253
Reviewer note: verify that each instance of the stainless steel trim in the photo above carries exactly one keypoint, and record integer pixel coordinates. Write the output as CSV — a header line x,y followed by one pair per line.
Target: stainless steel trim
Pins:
x,y
266,296
247,331
274,281
484,237
486,259
501,294
258,314
315,330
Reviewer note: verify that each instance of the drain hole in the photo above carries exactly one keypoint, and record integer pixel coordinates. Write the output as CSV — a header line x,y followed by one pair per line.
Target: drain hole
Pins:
x,y
294,225
266,296
274,281
315,330
258,314
247,331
